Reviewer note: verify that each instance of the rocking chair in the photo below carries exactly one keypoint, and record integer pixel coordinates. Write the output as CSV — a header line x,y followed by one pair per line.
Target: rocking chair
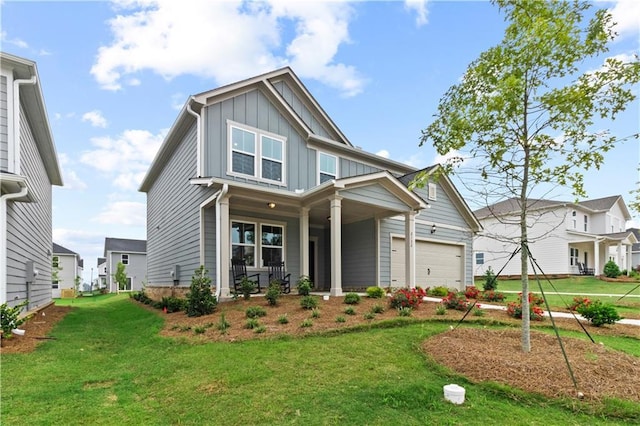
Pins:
x,y
239,270
278,273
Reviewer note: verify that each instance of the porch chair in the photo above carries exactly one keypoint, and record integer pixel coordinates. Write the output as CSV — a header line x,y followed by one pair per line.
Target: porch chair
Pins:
x,y
239,270
278,273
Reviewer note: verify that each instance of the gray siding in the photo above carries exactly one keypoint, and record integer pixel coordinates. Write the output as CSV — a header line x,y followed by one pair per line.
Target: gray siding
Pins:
x,y
303,112
349,168
29,228
373,194
442,209
359,255
173,218
4,129
136,269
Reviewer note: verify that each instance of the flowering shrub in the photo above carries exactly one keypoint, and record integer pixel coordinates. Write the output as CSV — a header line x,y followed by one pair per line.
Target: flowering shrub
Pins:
x,y
407,298
492,296
536,313
599,313
579,302
472,292
456,301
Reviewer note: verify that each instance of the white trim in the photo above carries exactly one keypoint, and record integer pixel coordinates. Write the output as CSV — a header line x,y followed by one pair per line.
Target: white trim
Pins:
x,y
439,225
258,222
319,154
3,237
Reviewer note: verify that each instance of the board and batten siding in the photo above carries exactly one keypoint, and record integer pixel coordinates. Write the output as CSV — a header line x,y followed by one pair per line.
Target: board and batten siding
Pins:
x,y
29,228
173,217
4,125
374,195
359,255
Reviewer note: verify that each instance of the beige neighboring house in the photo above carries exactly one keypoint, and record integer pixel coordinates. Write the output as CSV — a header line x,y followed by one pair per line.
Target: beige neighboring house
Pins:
x,y
565,237
68,265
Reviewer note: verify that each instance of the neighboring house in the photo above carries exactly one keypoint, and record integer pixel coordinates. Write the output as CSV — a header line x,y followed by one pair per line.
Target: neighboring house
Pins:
x,y
635,250
68,265
133,255
562,235
28,169
257,170
101,281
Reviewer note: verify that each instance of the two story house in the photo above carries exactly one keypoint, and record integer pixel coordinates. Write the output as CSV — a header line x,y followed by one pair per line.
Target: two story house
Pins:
x,y
257,170
133,255
28,169
564,237
67,267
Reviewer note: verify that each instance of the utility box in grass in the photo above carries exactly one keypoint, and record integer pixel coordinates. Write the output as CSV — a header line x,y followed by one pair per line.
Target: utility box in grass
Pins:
x,y
68,293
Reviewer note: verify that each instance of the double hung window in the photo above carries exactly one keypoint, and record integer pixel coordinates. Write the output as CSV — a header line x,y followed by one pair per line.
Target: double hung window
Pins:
x,y
257,252
327,167
257,154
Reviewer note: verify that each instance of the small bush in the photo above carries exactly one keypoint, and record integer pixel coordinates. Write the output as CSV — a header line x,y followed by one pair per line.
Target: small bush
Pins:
x,y
352,298
377,308
477,311
341,319
260,329
472,292
304,285
456,300
283,319
199,330
252,323
492,296
309,302
599,313
375,292
247,287
611,269
255,312
439,291
407,298
369,315
306,323
200,300
273,293
10,318
350,311
405,312
579,302
441,309
173,304
490,280
315,313
141,297
223,324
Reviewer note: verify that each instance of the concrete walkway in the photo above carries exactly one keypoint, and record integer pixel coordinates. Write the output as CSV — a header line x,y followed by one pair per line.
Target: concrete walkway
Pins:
x,y
546,314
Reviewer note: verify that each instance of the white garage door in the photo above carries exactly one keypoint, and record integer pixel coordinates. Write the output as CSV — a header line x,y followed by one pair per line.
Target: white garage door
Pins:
x,y
436,264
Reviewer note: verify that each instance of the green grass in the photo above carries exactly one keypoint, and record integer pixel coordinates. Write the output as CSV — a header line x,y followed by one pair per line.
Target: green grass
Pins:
x,y
109,366
578,286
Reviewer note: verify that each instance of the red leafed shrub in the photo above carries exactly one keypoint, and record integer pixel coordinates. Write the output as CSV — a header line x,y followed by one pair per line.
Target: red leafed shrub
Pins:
x,y
579,302
456,301
472,292
407,298
492,296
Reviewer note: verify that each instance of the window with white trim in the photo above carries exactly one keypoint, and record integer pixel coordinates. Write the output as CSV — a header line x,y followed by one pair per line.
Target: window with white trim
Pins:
x,y
327,167
573,256
586,223
124,259
257,252
256,153
479,258
574,219
432,191
55,263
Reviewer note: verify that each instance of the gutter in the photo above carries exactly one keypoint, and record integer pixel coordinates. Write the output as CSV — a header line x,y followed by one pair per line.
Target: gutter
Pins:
x,y
3,238
198,142
14,160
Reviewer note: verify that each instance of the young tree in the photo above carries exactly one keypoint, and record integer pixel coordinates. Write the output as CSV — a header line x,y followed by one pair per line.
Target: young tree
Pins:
x,y
120,276
523,115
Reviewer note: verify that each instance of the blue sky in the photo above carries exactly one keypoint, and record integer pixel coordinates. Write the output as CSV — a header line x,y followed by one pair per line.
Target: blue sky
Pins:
x,y
115,74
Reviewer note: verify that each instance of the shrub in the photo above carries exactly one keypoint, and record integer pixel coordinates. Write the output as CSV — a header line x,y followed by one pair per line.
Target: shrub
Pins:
x,y
260,329
490,281
252,323
350,311
273,293
377,308
441,309
315,313
599,313
352,298
255,312
405,312
375,292
247,287
200,300
456,300
306,323
611,269
439,291
283,319
407,298
304,285
341,319
536,313
309,302
10,318
199,330
223,324
472,292
173,304
141,297
579,302
477,311
369,315
492,296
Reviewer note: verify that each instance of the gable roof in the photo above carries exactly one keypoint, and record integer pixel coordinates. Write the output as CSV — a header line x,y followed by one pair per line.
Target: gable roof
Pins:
x,y
636,232
101,260
58,249
124,245
33,103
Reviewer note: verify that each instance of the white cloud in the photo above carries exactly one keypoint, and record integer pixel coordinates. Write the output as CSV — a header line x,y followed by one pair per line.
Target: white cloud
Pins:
x,y
383,153
96,118
241,39
128,213
453,156
69,177
14,41
420,7
626,13
127,157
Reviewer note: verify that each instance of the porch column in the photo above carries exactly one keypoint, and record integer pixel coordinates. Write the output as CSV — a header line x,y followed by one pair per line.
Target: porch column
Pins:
x,y
410,249
596,260
304,241
225,251
628,260
619,254
336,246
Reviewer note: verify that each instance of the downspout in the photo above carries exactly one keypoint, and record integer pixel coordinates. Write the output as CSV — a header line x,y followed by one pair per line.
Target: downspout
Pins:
x,y
223,192
3,238
16,122
198,141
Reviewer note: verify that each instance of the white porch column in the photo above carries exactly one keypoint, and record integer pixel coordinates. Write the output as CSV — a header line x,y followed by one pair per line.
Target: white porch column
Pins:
x,y
225,250
596,256
304,241
336,246
628,260
619,255
410,249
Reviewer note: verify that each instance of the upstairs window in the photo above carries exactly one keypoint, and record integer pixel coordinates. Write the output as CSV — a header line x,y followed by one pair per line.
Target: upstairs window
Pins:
x,y
479,258
586,223
328,167
124,259
432,191
256,154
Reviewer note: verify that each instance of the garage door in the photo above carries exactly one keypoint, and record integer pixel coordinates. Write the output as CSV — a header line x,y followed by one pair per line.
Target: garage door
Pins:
x,y
436,264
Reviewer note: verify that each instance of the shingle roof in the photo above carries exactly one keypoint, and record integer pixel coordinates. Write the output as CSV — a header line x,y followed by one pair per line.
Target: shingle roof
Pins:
x,y
600,203
636,232
124,245
512,205
58,249
101,260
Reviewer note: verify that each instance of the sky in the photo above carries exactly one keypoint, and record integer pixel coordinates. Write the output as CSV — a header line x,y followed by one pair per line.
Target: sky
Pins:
x,y
115,74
